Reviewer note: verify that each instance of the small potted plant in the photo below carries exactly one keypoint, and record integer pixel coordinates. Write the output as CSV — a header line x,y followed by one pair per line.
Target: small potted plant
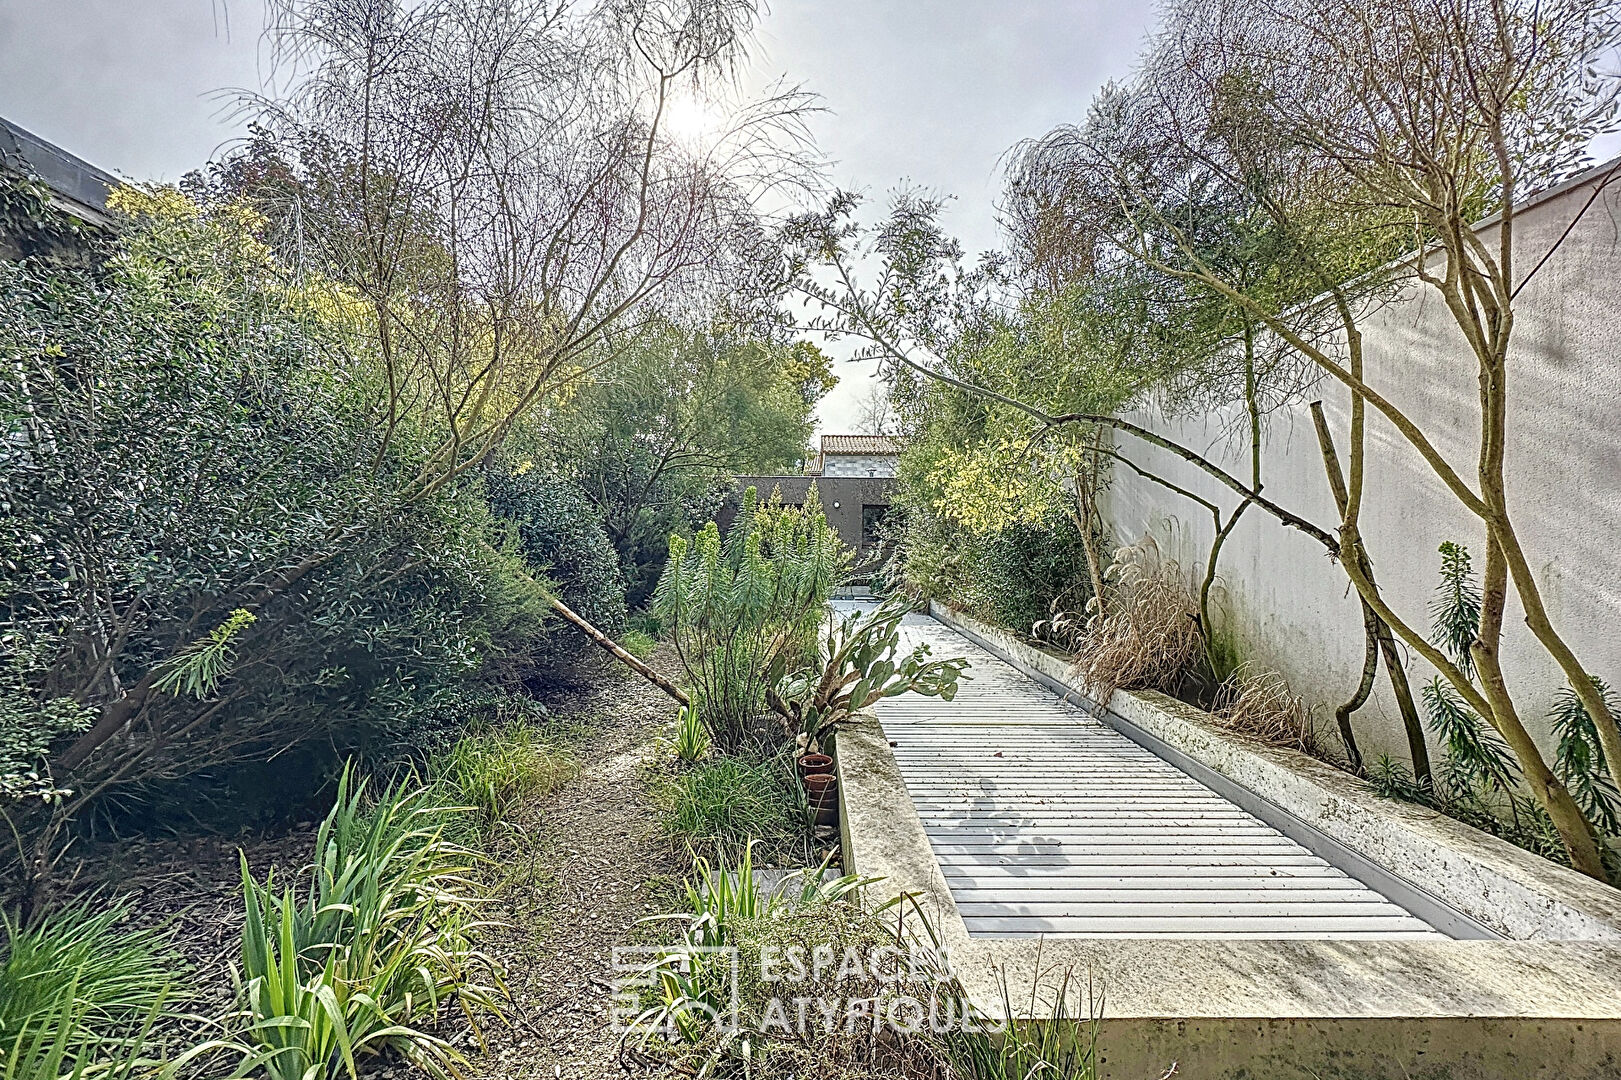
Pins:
x,y
855,667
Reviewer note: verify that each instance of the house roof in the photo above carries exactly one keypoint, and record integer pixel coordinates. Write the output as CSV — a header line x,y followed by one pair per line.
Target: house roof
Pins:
x,y
76,185
859,444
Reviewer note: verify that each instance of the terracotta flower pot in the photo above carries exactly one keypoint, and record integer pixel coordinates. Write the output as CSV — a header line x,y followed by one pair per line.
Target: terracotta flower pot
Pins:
x,y
810,764
822,790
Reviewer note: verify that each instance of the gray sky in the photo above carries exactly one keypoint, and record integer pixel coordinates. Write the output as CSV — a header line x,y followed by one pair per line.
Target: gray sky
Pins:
x,y
927,91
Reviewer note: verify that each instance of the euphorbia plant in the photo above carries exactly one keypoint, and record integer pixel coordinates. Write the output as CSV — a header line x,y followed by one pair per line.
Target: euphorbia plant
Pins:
x,y
855,668
739,608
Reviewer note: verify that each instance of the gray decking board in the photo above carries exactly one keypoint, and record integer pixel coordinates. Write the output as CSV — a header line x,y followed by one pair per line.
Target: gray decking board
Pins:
x,y
1046,821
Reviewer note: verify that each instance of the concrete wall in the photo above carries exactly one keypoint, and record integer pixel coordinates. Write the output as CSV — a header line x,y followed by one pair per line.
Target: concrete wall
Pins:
x,y
1286,606
842,498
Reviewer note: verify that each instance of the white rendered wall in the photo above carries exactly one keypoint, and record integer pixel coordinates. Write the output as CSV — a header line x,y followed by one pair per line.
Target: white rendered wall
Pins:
x,y
858,465
1286,606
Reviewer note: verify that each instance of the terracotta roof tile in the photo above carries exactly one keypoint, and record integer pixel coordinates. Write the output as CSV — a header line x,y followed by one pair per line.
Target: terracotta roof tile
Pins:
x,y
860,444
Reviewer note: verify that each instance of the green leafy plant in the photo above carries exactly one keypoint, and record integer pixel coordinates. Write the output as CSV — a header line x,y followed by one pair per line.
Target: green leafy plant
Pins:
x,y
1481,771
561,535
199,669
1513,817
1475,754
721,805
1054,1041
638,644
693,991
693,984
1455,610
53,1045
493,770
1028,574
654,440
365,953
80,993
691,737
1579,761
856,667
260,541
734,609
1479,782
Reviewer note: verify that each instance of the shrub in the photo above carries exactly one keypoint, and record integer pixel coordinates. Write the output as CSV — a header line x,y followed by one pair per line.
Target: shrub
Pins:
x,y
79,993
1027,572
1148,639
931,558
691,738
1004,568
214,417
561,535
1260,705
1579,761
365,953
719,806
736,608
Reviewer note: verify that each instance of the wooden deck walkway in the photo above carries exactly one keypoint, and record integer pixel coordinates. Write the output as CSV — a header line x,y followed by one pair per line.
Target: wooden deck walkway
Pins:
x,y
1046,821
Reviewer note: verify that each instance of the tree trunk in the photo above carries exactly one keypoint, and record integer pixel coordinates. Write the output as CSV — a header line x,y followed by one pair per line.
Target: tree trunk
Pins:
x,y
1375,632
1575,832
608,644
1574,828
1542,628
1086,489
1364,687
1252,408
1206,624
1094,567
1396,670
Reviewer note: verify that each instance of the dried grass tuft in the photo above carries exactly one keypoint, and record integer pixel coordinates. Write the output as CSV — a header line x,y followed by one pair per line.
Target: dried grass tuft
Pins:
x,y
1148,638
1259,704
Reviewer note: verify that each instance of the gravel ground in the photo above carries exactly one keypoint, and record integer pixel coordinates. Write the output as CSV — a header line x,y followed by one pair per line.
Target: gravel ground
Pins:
x,y
582,868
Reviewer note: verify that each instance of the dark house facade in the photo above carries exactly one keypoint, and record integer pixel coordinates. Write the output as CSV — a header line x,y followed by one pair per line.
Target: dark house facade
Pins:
x,y
854,476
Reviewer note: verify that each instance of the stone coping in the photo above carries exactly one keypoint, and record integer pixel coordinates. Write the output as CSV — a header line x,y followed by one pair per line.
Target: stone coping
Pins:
x,y
1296,1009
1511,891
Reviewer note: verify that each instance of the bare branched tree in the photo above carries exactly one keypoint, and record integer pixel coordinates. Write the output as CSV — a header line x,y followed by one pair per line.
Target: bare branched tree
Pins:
x,y
489,187
498,183
1374,136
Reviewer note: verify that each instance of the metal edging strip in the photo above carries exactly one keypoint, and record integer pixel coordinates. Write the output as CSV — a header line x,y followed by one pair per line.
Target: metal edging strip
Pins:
x,y
1398,890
